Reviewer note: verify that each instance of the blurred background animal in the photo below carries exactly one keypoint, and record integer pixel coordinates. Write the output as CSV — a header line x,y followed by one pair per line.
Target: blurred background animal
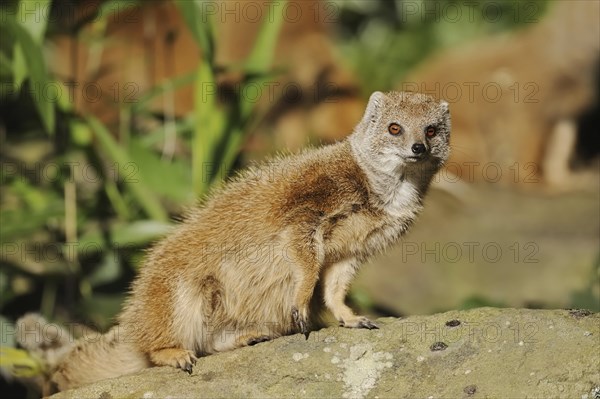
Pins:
x,y
518,96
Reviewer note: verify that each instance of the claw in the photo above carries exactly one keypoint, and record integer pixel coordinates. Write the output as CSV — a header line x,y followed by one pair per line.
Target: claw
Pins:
x,y
359,322
366,323
300,322
187,363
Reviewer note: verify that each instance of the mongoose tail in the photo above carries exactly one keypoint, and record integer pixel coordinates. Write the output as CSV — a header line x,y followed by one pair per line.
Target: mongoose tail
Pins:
x,y
91,360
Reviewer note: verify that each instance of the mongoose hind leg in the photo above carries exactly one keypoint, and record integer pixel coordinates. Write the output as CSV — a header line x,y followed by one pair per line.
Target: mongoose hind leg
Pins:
x,y
336,282
175,357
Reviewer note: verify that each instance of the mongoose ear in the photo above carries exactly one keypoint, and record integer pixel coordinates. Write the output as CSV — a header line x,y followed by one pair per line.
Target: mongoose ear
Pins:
x,y
376,102
444,106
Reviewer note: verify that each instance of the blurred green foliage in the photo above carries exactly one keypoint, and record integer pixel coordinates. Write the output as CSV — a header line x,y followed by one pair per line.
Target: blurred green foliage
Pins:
x,y
24,59
20,362
71,242
383,40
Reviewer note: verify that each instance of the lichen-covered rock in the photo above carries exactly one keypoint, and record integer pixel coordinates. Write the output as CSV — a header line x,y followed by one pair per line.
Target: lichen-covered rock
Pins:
x,y
480,353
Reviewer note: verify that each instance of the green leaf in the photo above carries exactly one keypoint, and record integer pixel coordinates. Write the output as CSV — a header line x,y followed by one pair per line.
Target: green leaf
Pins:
x,y
257,69
232,149
32,15
19,67
171,179
129,171
19,362
38,207
6,68
210,119
261,58
183,127
81,134
248,105
6,293
167,86
89,243
140,232
107,272
23,222
210,129
200,24
219,132
37,73
101,309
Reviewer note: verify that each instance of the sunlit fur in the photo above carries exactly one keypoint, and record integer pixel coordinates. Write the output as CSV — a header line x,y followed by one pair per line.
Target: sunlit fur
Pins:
x,y
232,272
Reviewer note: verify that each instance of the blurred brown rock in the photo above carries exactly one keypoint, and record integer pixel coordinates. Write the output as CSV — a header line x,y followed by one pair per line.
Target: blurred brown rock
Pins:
x,y
515,98
145,46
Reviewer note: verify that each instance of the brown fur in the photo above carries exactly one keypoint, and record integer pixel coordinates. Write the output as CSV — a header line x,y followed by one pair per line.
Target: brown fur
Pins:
x,y
243,267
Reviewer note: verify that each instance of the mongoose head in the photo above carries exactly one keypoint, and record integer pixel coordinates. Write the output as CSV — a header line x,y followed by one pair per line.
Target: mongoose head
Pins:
x,y
402,131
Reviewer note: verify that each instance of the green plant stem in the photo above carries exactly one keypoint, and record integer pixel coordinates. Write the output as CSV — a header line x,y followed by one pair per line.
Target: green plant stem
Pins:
x,y
48,298
116,200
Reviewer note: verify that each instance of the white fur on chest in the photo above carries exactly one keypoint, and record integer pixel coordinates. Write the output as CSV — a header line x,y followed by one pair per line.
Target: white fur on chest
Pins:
x,y
401,204
399,197
401,201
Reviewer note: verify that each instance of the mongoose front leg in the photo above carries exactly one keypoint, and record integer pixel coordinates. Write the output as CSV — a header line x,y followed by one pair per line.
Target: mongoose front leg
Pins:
x,y
300,320
335,285
307,273
304,293
175,357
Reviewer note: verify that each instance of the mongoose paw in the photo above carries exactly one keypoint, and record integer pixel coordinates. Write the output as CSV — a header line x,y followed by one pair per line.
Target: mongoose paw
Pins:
x,y
175,357
258,340
186,362
359,322
300,321
187,368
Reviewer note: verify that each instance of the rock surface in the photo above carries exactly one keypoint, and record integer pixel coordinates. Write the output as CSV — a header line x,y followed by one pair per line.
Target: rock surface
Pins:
x,y
480,353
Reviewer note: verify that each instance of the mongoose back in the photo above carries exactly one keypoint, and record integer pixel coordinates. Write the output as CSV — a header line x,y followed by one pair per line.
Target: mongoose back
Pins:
x,y
243,267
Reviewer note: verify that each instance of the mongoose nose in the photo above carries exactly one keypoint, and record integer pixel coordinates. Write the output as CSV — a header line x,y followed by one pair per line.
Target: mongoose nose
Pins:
x,y
418,148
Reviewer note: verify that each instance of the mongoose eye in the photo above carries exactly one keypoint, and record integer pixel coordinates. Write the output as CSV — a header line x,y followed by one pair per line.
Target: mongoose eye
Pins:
x,y
395,129
430,131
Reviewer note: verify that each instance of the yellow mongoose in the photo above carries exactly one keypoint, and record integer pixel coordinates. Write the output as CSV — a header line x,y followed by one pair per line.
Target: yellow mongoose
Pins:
x,y
243,267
